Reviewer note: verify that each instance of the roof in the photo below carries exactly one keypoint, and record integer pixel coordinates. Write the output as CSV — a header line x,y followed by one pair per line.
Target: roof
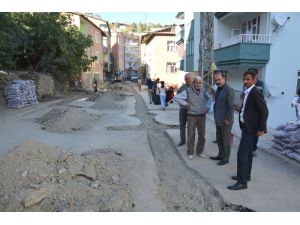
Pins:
x,y
86,18
219,15
166,31
99,18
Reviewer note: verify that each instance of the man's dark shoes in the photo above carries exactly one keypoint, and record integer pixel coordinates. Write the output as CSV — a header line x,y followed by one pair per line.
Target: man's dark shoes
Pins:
x,y
181,143
222,162
236,178
215,158
237,186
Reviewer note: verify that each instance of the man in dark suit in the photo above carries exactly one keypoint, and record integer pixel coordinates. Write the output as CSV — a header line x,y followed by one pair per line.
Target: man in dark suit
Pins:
x,y
253,116
223,115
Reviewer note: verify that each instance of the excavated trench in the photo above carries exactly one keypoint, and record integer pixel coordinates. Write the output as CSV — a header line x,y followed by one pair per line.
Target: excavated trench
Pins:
x,y
180,188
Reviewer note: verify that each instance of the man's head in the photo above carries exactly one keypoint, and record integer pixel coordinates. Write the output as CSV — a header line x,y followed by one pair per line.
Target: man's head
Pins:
x,y
197,82
188,79
254,70
219,78
249,78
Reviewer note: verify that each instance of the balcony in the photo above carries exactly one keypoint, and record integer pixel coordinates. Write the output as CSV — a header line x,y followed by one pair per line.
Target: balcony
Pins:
x,y
243,49
179,37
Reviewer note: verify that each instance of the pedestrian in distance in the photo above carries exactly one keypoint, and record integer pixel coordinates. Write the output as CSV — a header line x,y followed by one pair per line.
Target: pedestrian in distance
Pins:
x,y
188,78
150,91
139,85
223,116
197,100
253,116
162,95
296,103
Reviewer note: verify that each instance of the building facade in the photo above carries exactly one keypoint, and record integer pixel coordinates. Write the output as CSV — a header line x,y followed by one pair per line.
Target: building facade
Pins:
x,y
103,25
96,69
161,56
268,41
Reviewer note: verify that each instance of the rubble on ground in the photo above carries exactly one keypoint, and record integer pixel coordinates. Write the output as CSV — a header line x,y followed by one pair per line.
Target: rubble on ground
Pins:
x,y
37,177
67,119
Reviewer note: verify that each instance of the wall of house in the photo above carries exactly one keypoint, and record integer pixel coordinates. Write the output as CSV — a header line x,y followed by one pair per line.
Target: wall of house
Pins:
x,y
96,69
281,70
157,58
188,32
196,40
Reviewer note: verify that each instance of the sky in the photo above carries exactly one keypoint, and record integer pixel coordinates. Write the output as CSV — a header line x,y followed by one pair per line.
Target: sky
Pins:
x,y
166,18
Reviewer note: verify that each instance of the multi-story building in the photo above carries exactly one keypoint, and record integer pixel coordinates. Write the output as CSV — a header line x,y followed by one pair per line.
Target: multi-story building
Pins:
x,y
118,49
132,52
161,55
268,42
191,41
179,38
96,70
104,25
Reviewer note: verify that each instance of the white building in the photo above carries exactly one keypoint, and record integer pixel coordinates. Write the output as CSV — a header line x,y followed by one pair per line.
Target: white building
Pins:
x,y
268,42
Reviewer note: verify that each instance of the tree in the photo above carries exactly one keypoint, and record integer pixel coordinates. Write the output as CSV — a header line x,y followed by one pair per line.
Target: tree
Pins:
x,y
45,42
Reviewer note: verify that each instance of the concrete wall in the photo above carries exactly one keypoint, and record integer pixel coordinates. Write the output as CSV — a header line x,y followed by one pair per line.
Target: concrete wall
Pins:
x,y
281,71
196,40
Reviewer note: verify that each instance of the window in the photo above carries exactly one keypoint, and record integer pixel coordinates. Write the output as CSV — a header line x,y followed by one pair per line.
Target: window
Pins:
x,y
190,47
298,81
171,46
97,37
171,67
251,26
98,57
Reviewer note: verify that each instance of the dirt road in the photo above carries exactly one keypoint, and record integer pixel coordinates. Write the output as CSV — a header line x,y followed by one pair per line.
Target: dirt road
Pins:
x,y
96,158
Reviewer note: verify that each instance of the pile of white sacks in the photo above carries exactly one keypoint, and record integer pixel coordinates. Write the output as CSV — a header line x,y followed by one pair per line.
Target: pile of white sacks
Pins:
x,y
287,139
21,93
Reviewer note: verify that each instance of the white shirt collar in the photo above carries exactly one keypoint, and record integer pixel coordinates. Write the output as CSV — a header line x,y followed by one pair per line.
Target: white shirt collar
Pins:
x,y
249,89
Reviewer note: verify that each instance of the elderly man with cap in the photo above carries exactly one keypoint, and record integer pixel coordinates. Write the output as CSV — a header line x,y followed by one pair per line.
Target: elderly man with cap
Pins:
x,y
197,101
188,78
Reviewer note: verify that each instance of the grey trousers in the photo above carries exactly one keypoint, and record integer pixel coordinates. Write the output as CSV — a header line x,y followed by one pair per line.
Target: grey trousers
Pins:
x,y
224,141
194,123
150,93
182,123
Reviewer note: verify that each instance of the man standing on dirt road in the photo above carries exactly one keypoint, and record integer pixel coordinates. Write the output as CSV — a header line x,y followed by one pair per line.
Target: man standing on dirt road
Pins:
x,y
197,101
188,78
253,116
223,115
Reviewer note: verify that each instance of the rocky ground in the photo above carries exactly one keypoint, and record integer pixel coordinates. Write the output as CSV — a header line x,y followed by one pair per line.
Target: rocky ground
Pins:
x,y
40,177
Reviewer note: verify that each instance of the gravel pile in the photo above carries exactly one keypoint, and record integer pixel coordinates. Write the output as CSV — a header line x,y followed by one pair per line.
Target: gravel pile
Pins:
x,y
64,119
287,140
37,177
108,100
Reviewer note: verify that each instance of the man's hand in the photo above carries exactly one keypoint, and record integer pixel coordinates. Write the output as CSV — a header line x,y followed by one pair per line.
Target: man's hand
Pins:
x,y
237,108
227,122
259,133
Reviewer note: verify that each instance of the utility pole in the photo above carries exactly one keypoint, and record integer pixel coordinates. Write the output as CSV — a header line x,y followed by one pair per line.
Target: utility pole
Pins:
x,y
206,65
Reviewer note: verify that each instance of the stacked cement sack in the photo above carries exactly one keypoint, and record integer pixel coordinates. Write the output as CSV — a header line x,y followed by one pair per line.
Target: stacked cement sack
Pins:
x,y
20,93
287,140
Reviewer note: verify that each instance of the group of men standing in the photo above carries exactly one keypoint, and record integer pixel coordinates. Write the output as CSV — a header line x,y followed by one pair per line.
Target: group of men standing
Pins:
x,y
195,101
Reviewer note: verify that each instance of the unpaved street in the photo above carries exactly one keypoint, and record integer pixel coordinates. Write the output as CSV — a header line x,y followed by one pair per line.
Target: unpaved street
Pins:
x,y
103,152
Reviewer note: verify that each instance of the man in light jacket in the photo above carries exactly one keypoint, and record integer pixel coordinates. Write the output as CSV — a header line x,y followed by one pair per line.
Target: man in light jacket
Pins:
x,y
197,100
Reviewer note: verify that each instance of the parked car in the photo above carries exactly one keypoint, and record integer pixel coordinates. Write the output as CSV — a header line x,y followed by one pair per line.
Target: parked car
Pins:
x,y
134,76
117,77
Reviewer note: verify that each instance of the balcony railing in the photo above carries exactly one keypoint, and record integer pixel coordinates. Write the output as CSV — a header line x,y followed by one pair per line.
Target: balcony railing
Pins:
x,y
245,38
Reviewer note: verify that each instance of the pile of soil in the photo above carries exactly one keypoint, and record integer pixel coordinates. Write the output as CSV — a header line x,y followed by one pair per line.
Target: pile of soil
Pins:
x,y
108,100
121,87
37,177
63,119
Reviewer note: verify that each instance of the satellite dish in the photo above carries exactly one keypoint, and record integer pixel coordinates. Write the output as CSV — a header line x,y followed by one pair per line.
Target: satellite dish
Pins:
x,y
279,20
